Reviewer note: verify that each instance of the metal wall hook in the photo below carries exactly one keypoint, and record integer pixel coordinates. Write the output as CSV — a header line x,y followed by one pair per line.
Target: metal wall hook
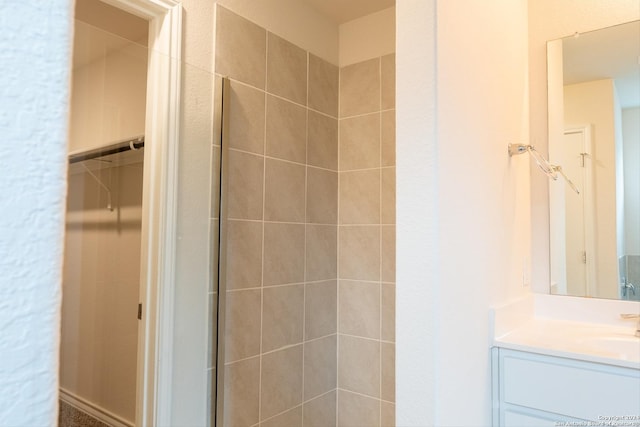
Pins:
x,y
545,166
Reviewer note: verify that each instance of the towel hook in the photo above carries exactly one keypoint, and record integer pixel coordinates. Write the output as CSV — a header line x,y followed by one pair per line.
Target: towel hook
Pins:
x,y
545,166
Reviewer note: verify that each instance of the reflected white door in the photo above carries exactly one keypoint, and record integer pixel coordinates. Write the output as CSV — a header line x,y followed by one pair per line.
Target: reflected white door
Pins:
x,y
572,222
571,156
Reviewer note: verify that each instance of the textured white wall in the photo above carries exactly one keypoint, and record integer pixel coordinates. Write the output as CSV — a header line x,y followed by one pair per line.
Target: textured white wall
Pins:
x,y
463,204
549,20
34,87
417,263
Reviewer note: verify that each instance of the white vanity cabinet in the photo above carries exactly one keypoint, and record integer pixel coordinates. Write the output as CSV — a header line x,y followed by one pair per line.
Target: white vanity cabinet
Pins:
x,y
531,389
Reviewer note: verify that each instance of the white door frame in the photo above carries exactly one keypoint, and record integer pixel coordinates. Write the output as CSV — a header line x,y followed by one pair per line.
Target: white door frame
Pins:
x,y
162,124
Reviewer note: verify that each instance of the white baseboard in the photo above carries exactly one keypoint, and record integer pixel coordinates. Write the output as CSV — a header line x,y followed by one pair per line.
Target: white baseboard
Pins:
x,y
94,410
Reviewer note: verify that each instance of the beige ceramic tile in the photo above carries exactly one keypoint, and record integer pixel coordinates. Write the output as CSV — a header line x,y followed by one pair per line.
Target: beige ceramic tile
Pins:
x,y
281,381
388,253
321,411
285,191
322,143
360,197
388,412
244,193
246,118
389,195
388,136
360,142
319,366
242,385
388,376
360,88
323,86
282,316
321,252
283,253
244,254
359,252
359,365
320,309
235,34
388,312
388,83
286,130
322,196
292,418
357,411
242,326
286,70
359,308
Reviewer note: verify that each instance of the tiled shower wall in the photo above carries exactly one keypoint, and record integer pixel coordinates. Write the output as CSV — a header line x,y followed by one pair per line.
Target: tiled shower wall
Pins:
x,y
366,250
301,348
280,356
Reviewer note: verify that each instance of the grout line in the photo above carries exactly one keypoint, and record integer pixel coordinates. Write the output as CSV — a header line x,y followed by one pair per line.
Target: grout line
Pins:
x,y
361,282
264,196
337,401
356,116
320,395
304,257
374,168
380,237
281,222
233,362
283,348
297,406
239,150
240,82
377,224
366,395
373,224
312,282
322,337
359,337
320,281
360,394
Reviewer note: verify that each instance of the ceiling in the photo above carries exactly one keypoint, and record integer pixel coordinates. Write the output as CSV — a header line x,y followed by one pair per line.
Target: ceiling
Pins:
x,y
112,20
101,29
341,11
610,53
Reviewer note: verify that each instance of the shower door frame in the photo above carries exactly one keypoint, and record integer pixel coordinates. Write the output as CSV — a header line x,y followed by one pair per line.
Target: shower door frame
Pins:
x,y
160,182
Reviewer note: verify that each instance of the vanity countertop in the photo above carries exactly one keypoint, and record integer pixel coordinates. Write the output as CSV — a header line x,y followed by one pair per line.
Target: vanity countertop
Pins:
x,y
612,345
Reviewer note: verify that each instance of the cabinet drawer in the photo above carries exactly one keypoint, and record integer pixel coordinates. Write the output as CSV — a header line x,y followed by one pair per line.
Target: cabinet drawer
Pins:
x,y
573,388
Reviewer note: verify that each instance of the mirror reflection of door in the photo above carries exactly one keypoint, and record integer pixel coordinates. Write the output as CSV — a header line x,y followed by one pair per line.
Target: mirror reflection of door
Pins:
x,y
101,281
574,156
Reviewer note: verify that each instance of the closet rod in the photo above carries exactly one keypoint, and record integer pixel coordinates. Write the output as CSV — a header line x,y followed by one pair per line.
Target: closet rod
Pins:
x,y
118,147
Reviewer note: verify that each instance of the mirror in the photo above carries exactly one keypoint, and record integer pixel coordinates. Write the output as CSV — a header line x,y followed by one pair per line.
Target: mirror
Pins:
x,y
594,135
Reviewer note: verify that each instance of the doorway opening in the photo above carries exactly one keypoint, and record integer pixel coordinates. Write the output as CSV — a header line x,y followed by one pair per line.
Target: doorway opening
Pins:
x,y
101,282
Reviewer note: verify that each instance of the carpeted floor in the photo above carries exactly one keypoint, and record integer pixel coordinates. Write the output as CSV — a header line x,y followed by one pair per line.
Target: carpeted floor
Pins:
x,y
69,416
